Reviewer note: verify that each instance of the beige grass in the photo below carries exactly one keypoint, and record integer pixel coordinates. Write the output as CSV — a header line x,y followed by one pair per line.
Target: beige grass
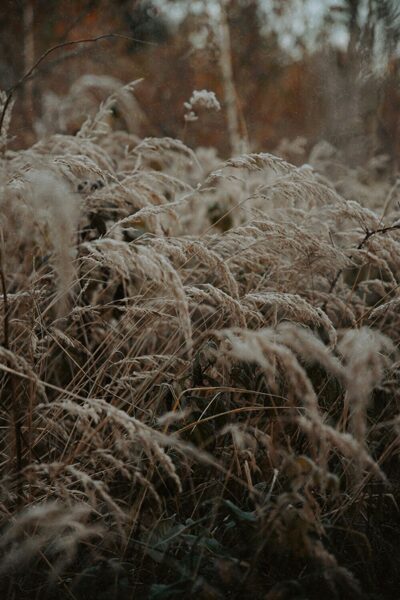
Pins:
x,y
196,342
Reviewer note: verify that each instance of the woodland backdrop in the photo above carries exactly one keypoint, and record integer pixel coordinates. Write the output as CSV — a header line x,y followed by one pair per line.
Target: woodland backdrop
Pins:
x,y
316,70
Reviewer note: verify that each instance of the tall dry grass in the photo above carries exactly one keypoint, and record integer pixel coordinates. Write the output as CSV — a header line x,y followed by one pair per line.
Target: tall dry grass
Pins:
x,y
199,371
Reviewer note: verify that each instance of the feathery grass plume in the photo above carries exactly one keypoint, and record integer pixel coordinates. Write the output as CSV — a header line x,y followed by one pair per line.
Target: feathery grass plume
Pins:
x,y
18,364
121,99
346,444
263,347
366,353
136,443
214,262
383,308
49,530
152,263
208,295
68,113
45,199
85,156
250,162
310,347
292,307
169,154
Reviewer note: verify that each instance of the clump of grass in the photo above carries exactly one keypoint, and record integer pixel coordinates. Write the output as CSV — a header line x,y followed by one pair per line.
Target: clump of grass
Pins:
x,y
199,374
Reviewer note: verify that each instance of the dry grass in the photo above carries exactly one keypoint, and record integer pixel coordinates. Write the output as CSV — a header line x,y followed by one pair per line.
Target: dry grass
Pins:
x,y
199,372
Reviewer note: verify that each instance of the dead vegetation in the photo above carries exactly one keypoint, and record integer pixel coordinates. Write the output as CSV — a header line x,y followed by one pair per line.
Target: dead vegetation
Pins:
x,y
199,371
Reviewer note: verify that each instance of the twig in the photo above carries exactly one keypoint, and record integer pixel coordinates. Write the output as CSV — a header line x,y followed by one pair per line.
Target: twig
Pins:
x,y
6,313
368,234
13,386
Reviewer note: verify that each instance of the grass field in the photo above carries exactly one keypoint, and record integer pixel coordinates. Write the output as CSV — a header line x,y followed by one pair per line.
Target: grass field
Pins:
x,y
199,372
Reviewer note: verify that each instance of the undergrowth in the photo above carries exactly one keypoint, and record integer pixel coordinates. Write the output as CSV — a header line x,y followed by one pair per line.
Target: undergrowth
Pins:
x,y
199,372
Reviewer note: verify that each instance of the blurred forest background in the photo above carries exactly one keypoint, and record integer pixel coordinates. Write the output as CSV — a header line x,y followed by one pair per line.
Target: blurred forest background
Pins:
x,y
303,70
